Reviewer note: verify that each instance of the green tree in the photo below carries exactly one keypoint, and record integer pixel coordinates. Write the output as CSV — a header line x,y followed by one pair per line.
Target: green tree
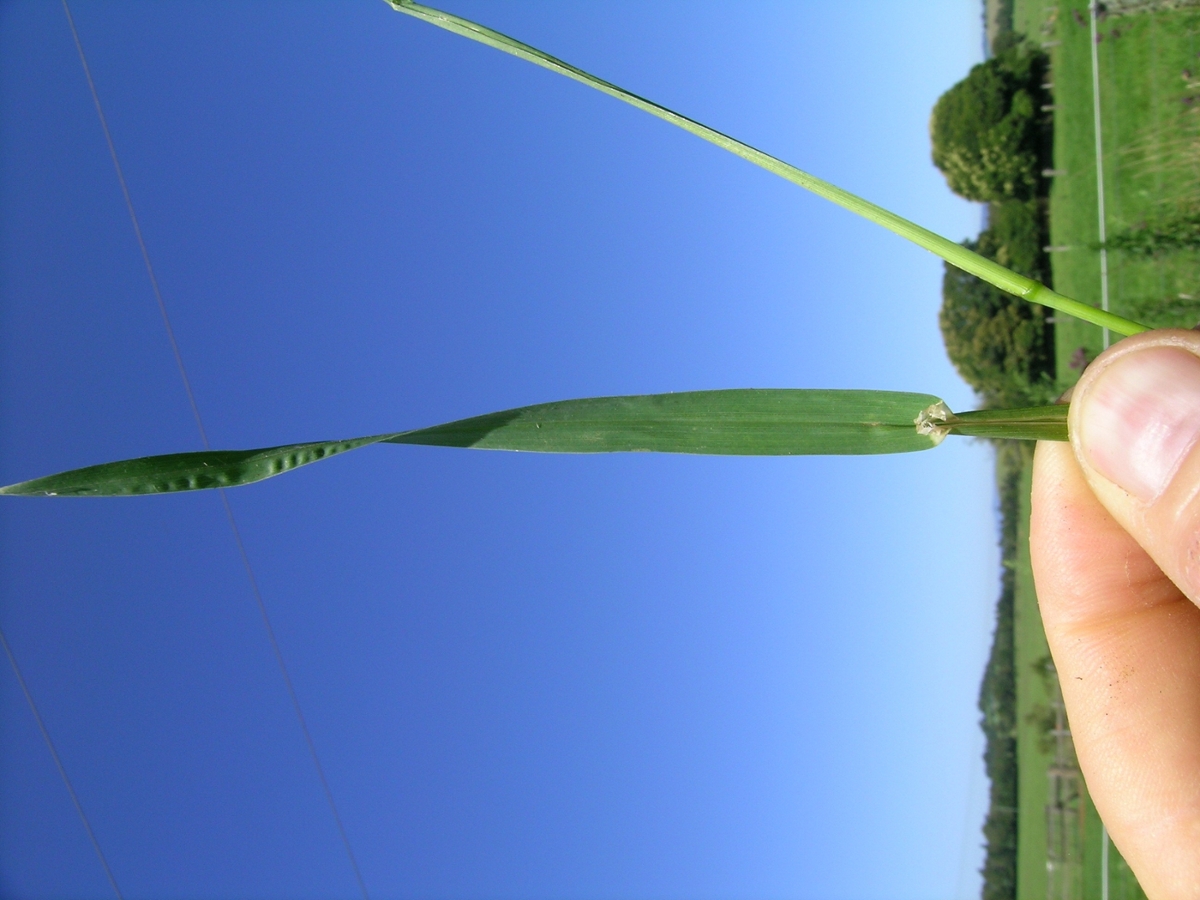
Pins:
x,y
1017,235
989,137
1002,346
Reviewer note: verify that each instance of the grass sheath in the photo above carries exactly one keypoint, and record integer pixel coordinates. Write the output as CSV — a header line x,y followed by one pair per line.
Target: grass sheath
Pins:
x,y
953,253
1037,423
782,422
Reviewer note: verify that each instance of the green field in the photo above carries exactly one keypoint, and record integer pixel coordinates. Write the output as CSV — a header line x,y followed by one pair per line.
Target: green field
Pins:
x,y
1151,136
1149,74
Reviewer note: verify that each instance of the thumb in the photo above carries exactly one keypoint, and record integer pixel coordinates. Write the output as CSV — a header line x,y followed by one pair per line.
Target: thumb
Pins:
x,y
1135,429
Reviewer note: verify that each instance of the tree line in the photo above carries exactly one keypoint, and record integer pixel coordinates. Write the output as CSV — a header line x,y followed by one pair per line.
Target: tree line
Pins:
x,y
992,141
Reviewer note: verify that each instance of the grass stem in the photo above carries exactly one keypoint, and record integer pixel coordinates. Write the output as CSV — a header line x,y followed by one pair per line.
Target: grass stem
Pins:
x,y
954,253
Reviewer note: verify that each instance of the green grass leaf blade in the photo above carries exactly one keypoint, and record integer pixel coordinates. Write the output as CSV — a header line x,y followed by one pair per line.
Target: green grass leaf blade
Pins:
x,y
732,422
778,422
952,252
736,422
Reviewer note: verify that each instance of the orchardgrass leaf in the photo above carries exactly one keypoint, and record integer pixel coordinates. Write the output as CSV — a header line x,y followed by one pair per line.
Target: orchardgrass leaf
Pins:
x,y
955,254
736,422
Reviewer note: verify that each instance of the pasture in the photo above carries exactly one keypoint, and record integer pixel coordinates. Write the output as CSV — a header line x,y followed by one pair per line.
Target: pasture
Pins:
x,y
1150,129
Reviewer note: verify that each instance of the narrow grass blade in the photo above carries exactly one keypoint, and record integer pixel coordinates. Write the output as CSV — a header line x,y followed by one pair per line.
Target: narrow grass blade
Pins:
x,y
737,422
954,253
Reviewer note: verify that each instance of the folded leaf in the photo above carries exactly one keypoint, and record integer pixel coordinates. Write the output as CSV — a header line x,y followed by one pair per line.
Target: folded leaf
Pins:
x,y
175,472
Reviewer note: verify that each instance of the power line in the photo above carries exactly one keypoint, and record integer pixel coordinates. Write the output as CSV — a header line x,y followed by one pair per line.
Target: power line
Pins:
x,y
287,680
12,661
137,229
233,527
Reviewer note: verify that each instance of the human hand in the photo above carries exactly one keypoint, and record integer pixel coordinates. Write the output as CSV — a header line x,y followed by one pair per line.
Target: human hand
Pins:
x,y
1115,544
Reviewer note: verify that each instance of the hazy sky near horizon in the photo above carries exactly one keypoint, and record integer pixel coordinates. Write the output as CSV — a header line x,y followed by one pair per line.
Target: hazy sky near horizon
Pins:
x,y
526,676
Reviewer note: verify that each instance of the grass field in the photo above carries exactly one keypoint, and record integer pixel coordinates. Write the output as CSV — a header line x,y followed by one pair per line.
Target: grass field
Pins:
x,y
1151,133
1150,113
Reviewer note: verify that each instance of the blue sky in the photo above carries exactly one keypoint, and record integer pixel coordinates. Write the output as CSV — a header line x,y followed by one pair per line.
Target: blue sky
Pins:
x,y
526,676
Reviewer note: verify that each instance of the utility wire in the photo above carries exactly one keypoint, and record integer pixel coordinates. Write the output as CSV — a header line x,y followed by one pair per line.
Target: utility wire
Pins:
x,y
12,660
233,527
137,229
287,680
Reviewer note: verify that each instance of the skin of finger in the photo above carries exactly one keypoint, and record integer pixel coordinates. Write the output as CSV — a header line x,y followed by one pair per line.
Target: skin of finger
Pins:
x,y
1169,528
1126,644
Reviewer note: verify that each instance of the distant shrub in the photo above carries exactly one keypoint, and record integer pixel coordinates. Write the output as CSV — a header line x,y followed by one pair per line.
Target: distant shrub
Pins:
x,y
1001,346
989,136
1173,232
1180,311
1177,232
1006,38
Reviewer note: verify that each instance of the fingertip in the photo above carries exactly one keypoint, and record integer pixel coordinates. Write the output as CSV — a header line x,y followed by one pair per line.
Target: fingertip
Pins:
x,y
1138,416
1135,431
